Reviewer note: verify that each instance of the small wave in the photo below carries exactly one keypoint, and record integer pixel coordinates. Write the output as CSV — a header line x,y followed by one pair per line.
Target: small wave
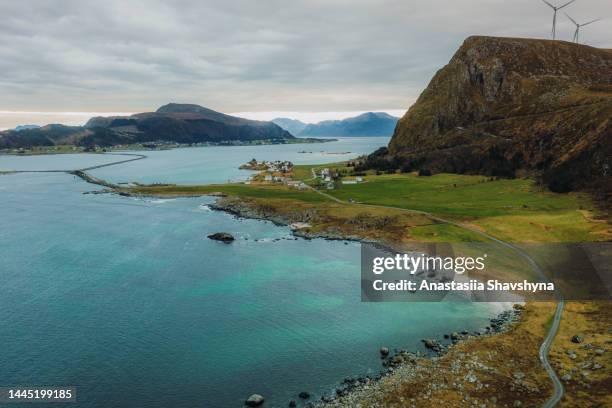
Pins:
x,y
162,200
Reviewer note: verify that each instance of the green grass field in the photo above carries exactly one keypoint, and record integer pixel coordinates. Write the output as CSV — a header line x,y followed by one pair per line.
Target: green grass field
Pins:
x,y
457,195
514,210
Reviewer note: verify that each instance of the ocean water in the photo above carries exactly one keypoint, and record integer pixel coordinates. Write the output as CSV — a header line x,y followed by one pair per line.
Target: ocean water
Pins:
x,y
127,300
219,164
56,161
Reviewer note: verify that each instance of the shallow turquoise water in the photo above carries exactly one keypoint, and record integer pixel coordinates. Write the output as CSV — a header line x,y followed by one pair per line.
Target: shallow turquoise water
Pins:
x,y
129,301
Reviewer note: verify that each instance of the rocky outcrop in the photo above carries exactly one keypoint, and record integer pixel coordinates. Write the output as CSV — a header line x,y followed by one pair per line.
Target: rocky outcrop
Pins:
x,y
506,105
254,400
225,237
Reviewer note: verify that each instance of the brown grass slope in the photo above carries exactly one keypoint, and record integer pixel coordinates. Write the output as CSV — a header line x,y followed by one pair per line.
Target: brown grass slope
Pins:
x,y
503,105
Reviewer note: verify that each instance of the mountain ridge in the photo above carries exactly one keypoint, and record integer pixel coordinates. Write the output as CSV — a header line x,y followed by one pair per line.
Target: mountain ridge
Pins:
x,y
179,123
365,124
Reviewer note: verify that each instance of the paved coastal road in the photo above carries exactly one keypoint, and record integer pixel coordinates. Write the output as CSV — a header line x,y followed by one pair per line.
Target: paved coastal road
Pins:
x,y
136,157
544,348
554,327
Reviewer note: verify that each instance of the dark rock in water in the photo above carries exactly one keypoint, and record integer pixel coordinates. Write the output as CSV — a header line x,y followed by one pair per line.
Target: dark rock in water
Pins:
x,y
304,395
577,339
454,336
222,236
292,404
254,400
429,343
384,351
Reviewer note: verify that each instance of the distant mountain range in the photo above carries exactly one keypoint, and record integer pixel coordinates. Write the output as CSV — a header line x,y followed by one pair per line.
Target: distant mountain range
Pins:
x,y
366,124
292,126
178,123
25,127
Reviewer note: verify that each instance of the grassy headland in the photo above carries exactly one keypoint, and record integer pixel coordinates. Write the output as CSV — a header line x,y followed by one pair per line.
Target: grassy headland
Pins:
x,y
514,210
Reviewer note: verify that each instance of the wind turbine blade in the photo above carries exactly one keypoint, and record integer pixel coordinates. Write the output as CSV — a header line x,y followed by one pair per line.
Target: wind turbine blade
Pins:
x,y
573,21
592,21
548,4
566,4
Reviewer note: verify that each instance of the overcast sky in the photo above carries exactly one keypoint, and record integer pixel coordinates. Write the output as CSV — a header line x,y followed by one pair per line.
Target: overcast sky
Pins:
x,y
313,59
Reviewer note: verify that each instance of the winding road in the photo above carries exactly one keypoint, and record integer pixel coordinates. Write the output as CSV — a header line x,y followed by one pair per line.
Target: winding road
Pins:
x,y
558,390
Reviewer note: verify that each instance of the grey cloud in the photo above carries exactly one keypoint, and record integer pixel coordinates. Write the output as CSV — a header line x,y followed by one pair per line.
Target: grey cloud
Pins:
x,y
247,55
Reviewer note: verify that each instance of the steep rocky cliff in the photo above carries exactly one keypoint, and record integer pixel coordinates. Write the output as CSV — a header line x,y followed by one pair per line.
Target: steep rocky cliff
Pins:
x,y
503,106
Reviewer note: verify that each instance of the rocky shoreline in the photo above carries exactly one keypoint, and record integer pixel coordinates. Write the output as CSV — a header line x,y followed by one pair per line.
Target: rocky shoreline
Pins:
x,y
398,362
397,365
403,362
296,220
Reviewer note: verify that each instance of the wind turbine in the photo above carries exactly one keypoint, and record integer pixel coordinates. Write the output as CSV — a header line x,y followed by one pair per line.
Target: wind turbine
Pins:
x,y
555,8
577,32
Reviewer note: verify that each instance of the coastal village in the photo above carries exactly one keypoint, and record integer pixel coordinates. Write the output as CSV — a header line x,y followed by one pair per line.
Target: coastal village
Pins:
x,y
281,172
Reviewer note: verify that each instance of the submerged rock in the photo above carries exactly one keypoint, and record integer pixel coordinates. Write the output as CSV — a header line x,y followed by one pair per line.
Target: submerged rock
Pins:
x,y
254,400
304,395
222,236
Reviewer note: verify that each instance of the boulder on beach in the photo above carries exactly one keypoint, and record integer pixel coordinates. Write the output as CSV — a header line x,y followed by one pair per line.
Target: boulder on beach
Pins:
x,y
254,400
577,339
222,236
429,343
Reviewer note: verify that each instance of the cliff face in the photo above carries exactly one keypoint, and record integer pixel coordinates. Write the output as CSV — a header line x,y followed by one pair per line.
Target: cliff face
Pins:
x,y
502,105
181,123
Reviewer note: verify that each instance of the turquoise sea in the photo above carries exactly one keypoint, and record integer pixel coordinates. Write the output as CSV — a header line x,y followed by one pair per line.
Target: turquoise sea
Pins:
x,y
127,299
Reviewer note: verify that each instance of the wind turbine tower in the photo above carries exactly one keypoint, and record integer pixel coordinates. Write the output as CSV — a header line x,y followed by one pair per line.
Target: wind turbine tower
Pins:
x,y
577,32
555,9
